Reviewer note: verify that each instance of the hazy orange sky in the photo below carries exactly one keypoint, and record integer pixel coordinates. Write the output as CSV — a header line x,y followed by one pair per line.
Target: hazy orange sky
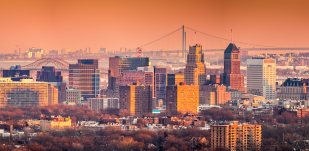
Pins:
x,y
115,24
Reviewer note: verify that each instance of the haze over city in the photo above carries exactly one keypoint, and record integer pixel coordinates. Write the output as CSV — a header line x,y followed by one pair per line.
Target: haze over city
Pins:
x,y
157,75
119,24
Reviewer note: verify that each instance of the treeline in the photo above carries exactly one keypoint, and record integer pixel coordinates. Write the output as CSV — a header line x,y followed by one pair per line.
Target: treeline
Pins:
x,y
286,137
112,139
278,138
77,113
227,114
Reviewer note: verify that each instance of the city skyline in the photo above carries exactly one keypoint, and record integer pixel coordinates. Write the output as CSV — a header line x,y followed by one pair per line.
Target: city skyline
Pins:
x,y
120,24
154,75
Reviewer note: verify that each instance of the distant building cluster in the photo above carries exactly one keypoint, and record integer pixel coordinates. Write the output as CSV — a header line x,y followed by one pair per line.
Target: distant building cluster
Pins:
x,y
137,90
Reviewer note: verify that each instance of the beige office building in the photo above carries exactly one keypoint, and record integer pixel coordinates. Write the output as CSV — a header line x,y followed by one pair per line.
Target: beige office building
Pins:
x,y
27,93
261,77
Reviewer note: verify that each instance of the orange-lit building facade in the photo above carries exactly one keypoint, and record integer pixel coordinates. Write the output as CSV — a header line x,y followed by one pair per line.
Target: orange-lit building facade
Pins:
x,y
182,98
135,99
303,116
195,71
56,123
235,136
27,93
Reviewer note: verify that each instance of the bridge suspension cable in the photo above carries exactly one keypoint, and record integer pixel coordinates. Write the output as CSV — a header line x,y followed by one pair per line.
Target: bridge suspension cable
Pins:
x,y
160,38
225,39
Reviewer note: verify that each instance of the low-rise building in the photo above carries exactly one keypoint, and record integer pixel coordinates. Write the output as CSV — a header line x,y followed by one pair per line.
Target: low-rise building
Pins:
x,y
56,123
294,89
98,104
73,96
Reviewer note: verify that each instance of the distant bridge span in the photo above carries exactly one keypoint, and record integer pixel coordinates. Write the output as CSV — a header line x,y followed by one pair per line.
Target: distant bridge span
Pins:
x,y
59,64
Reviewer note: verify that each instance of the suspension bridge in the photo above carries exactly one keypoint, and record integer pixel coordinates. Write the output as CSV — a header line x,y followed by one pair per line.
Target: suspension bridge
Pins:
x,y
248,46
61,64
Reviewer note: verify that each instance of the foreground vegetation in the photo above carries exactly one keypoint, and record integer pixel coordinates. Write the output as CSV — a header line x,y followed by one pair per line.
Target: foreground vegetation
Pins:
x,y
280,131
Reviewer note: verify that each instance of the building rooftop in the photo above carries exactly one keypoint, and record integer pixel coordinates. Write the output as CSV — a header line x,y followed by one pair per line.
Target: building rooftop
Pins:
x,y
295,82
231,48
9,80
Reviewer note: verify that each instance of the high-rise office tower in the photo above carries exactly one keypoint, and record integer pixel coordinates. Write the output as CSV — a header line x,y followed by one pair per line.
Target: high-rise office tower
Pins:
x,y
261,77
160,81
195,71
231,76
51,75
85,76
117,65
182,98
27,92
235,136
135,99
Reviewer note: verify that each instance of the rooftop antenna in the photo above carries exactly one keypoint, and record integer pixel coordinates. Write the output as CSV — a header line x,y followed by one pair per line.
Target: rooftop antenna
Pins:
x,y
195,37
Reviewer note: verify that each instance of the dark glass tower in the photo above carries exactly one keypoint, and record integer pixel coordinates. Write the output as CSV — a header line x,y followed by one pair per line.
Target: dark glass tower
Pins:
x,y
51,75
85,76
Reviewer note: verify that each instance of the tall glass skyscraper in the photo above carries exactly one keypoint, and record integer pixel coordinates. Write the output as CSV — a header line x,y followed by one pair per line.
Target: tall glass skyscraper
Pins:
x,y
160,81
85,76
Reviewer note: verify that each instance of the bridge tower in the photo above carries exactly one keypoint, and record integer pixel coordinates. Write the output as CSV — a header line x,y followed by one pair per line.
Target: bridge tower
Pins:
x,y
184,43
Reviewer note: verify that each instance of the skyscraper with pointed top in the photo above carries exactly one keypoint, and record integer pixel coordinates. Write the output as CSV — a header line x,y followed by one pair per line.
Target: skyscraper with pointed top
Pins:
x,y
232,76
195,71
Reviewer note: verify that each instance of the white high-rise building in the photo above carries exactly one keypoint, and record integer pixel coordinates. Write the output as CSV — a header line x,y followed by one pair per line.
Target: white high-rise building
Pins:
x,y
261,77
